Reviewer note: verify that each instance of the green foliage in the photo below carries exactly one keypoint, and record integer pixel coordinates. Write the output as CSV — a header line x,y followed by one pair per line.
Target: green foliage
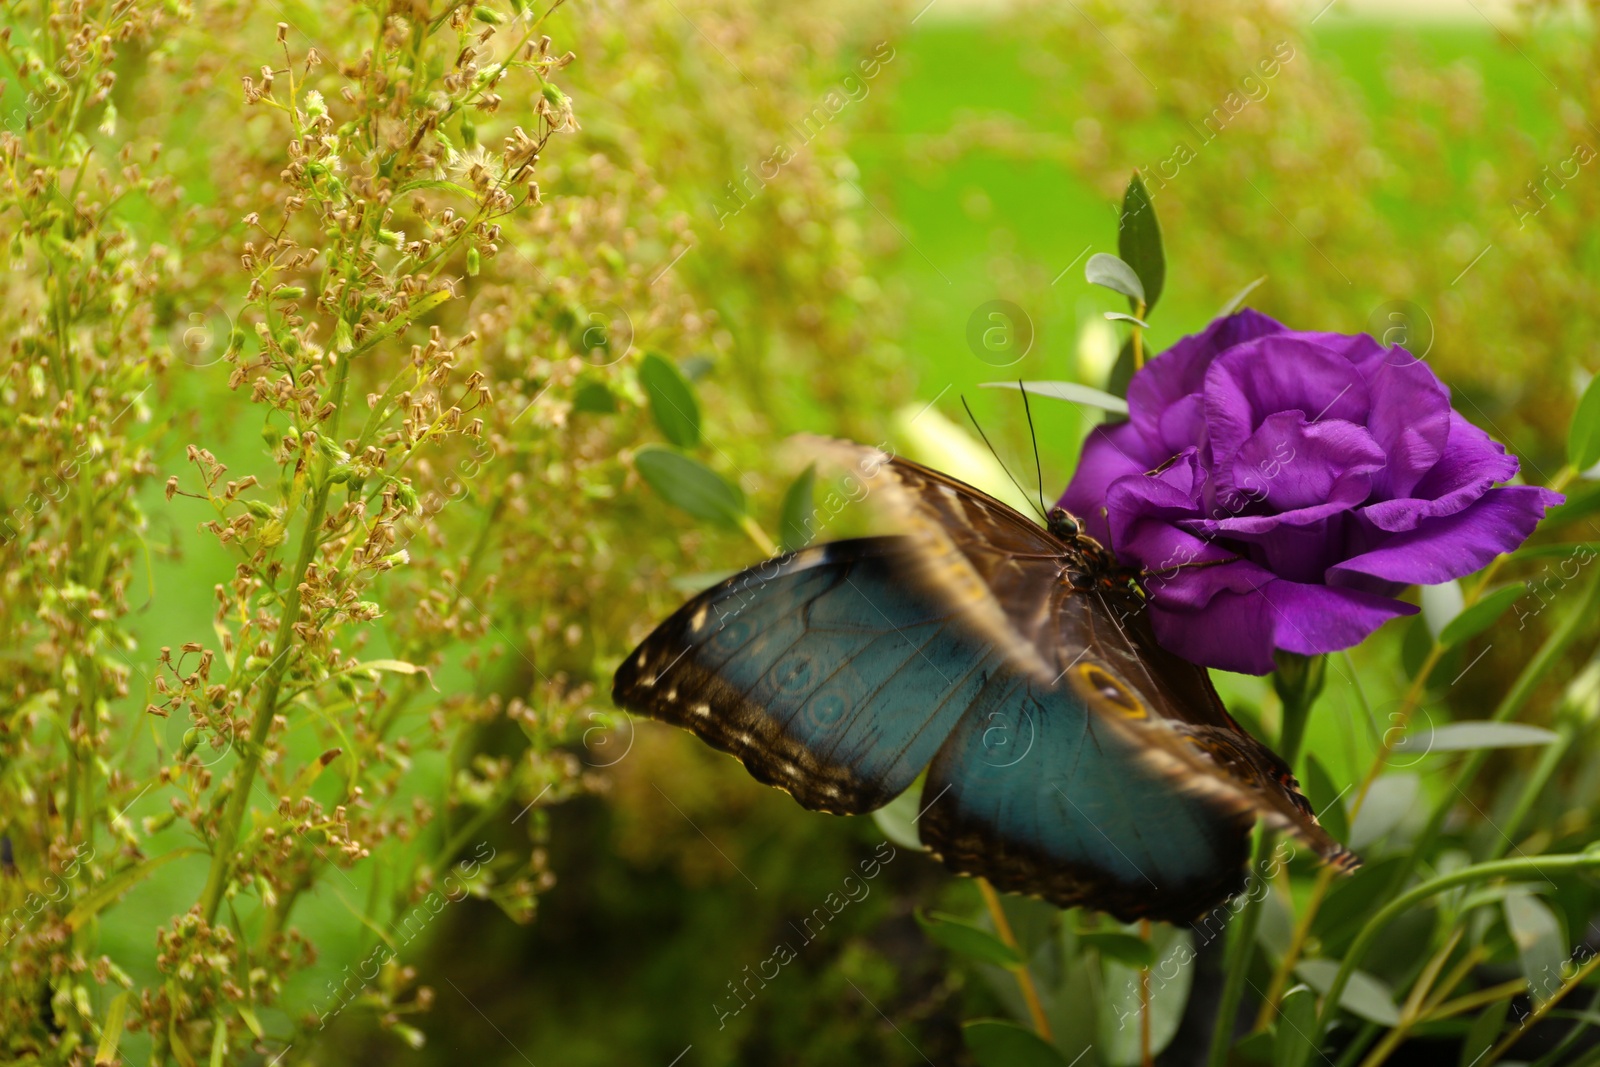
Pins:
x,y
691,485
1139,244
672,401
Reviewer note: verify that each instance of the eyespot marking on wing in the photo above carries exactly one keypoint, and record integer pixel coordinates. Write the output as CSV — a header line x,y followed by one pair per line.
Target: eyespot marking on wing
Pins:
x,y
1098,683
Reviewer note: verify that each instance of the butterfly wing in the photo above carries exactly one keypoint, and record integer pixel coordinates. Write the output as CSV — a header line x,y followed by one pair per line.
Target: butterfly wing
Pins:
x,y
1034,792
825,672
1013,580
836,676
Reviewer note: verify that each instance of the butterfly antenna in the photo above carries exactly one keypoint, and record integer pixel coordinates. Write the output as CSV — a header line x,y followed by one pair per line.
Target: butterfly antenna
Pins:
x,y
995,454
1034,437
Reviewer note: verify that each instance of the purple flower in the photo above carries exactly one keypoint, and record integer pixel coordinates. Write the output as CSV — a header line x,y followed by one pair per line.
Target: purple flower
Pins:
x,y
1316,474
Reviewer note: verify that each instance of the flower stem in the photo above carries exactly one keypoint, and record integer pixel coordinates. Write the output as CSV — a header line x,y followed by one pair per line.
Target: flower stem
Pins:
x,y
267,706
1537,866
1298,681
754,531
1145,1059
1541,1009
1138,339
1002,927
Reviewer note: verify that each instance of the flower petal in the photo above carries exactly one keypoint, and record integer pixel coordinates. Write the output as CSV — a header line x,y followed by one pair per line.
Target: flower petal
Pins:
x,y
1163,397
1235,635
1472,462
1238,630
1410,420
1451,546
1112,451
1290,463
1144,511
1279,372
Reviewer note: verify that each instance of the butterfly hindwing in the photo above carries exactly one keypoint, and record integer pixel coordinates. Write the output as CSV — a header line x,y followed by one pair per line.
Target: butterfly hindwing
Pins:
x,y
1034,793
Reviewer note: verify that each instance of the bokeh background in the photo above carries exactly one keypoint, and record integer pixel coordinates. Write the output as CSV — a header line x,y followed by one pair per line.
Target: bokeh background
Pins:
x,y
1428,168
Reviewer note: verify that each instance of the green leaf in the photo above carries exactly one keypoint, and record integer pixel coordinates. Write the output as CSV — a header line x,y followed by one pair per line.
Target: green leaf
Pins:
x,y
999,1043
1253,1049
1541,946
1295,1040
1238,299
1480,616
1071,391
967,939
1326,800
1389,800
1483,1033
1117,316
1364,996
1467,736
898,819
1123,370
671,401
594,398
1583,436
1111,272
1127,949
1580,552
690,485
393,666
111,1031
1170,974
1583,501
1352,901
795,524
1139,241
1441,605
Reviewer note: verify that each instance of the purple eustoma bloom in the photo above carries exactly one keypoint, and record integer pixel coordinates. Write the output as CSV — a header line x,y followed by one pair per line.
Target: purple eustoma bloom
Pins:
x,y
1323,473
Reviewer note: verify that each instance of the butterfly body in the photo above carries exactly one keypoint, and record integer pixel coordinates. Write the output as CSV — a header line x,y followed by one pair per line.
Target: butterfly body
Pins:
x,y
1067,754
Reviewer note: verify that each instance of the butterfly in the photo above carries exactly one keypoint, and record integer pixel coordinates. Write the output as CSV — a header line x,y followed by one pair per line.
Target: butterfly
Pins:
x,y
1067,755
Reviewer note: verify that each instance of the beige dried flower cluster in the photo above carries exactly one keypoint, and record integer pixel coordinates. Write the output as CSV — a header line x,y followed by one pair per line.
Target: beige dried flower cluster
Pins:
x,y
338,321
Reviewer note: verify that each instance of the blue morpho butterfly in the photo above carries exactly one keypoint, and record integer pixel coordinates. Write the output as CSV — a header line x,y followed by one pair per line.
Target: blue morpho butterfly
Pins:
x,y
1069,756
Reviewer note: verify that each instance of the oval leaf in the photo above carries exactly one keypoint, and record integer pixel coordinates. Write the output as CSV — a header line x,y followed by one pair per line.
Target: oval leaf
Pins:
x,y
1072,391
671,401
898,819
1297,1022
1111,272
966,939
1388,801
691,485
1466,736
1127,949
999,1043
1440,605
1483,1033
1169,981
796,523
1541,946
1583,436
1117,316
1479,617
1139,240
1238,299
1364,996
